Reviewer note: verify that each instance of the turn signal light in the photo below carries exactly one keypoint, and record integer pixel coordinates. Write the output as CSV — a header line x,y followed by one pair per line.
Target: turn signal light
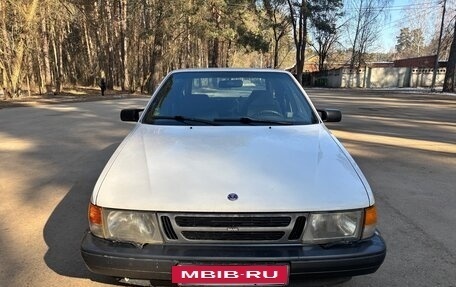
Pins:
x,y
370,216
370,221
94,214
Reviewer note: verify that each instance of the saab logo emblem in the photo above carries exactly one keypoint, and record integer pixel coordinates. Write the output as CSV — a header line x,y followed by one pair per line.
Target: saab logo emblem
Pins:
x,y
232,196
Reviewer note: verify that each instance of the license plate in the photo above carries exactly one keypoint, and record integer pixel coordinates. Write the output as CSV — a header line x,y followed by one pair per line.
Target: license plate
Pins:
x,y
230,275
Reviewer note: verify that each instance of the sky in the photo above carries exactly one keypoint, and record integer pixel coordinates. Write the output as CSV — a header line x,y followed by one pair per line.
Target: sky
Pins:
x,y
423,14
403,14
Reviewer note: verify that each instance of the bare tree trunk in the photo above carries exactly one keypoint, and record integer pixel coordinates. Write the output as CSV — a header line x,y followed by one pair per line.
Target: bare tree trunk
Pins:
x,y
357,31
124,47
228,54
157,50
47,65
214,54
109,46
276,52
321,61
157,59
100,45
88,42
60,74
57,49
29,88
303,41
6,51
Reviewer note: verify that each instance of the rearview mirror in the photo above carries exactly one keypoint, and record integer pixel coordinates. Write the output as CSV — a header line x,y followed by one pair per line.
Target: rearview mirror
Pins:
x,y
130,115
227,84
330,115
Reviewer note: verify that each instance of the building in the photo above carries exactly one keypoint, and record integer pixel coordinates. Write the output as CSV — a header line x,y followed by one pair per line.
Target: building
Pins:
x,y
411,72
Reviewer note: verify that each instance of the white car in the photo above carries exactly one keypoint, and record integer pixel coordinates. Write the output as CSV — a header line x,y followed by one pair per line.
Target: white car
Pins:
x,y
228,168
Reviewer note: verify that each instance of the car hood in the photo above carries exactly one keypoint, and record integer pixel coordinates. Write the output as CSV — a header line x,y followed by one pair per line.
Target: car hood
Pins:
x,y
194,169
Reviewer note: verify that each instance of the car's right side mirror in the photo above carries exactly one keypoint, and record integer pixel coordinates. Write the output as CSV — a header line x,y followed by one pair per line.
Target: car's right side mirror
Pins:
x,y
330,115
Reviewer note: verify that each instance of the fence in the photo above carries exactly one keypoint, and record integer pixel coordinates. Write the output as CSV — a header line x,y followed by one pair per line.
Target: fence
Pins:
x,y
377,78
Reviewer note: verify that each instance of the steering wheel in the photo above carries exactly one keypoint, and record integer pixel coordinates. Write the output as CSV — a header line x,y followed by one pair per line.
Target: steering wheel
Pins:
x,y
267,113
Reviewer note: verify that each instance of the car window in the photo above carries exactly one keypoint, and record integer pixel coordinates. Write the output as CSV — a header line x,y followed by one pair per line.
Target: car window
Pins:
x,y
229,98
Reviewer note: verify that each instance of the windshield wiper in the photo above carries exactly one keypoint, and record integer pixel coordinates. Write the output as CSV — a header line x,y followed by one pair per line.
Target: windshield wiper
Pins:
x,y
248,120
186,120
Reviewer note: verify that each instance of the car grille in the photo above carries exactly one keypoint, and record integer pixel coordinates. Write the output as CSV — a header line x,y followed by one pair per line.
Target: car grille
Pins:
x,y
232,228
227,221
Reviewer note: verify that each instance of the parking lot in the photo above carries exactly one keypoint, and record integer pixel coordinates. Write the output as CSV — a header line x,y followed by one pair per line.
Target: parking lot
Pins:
x,y
405,143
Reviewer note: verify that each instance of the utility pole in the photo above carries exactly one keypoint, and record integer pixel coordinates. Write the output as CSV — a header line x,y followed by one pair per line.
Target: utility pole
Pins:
x,y
436,64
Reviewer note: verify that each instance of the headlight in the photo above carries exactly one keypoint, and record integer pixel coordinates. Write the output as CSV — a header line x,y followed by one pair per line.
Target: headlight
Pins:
x,y
124,225
333,226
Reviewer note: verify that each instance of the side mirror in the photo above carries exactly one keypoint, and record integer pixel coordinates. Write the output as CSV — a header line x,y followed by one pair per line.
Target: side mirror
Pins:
x,y
330,115
130,115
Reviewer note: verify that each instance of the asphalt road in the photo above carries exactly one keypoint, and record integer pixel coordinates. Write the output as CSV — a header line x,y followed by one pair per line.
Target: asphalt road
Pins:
x,y
51,156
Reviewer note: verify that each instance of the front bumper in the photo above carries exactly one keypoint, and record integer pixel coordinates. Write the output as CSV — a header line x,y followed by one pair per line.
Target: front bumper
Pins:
x,y
154,262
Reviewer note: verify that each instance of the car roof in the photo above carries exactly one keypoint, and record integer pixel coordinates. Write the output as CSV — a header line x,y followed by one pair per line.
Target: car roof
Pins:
x,y
229,70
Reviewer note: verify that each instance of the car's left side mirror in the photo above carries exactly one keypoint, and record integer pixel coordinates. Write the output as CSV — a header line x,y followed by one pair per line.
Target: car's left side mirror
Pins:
x,y
130,115
330,115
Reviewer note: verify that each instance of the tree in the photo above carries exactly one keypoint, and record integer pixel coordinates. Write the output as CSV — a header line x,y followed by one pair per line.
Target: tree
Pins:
x,y
430,23
48,45
299,14
325,31
450,75
410,43
366,27
277,20
124,47
404,41
12,62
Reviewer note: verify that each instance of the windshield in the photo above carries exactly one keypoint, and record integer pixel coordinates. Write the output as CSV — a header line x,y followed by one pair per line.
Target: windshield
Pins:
x,y
229,98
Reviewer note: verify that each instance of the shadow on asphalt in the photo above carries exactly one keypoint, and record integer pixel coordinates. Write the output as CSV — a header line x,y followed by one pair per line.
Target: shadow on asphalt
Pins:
x,y
65,227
